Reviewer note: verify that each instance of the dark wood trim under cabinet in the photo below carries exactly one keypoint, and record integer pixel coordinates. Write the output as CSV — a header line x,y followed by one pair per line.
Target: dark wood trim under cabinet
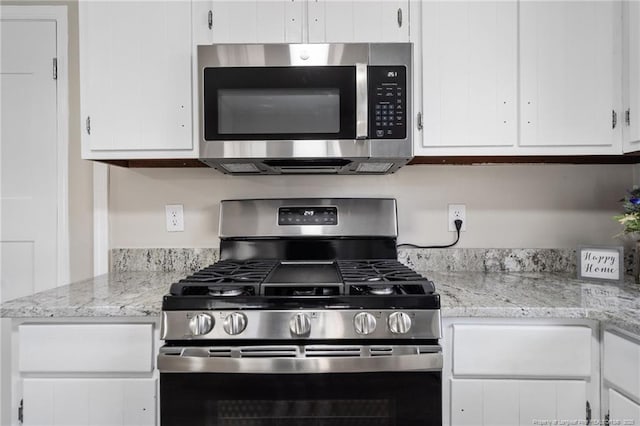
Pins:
x,y
169,162
632,158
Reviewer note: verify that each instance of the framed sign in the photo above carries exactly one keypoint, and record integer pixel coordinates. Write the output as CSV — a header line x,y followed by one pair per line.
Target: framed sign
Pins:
x,y
601,263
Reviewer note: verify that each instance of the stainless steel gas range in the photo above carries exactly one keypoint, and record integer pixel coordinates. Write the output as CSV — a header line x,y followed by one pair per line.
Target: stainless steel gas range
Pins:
x,y
307,319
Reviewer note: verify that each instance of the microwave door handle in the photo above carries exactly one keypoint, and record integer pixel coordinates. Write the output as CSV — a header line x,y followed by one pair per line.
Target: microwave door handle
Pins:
x,y
362,125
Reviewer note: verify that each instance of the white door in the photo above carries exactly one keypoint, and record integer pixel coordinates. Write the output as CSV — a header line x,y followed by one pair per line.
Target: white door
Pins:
x,y
470,77
570,67
135,76
369,21
93,402
622,411
256,21
491,402
28,153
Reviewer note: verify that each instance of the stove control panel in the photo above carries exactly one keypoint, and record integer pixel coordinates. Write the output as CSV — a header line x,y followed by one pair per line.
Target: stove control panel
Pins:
x,y
307,216
307,324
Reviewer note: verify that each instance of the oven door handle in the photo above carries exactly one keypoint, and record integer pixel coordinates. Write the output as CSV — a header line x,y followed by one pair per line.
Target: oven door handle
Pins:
x,y
206,364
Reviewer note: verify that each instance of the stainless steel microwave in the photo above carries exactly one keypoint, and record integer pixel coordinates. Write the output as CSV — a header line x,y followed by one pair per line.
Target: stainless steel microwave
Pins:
x,y
305,108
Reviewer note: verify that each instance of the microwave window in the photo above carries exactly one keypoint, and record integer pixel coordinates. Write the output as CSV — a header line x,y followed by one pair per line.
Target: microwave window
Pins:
x,y
278,111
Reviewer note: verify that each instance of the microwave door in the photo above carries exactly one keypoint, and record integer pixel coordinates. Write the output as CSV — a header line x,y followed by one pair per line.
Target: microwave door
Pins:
x,y
284,103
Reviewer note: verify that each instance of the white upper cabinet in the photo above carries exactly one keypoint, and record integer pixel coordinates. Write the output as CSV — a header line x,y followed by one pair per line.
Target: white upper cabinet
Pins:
x,y
135,79
249,21
300,21
521,78
470,77
631,76
570,77
344,21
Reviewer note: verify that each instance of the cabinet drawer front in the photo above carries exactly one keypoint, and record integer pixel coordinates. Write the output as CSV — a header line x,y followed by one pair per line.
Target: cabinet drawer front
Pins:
x,y
622,364
522,351
86,348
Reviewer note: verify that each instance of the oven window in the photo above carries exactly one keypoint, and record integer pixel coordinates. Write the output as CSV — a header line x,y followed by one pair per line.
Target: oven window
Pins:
x,y
269,103
306,412
345,399
261,111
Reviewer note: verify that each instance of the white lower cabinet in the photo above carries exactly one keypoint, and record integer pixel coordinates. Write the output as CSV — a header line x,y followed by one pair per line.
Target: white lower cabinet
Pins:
x,y
519,372
94,402
621,374
493,402
622,411
85,372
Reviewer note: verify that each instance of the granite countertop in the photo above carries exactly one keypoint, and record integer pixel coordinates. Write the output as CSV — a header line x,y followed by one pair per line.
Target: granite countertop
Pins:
x,y
463,294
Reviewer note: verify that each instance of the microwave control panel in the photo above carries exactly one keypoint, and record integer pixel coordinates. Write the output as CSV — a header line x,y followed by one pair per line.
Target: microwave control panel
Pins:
x,y
387,102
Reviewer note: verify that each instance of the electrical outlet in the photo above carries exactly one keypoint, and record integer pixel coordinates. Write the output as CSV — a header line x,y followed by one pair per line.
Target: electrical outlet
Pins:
x,y
457,211
175,217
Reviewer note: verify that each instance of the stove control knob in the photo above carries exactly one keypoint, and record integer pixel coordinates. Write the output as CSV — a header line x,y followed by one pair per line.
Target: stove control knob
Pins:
x,y
300,324
201,324
235,323
364,323
399,323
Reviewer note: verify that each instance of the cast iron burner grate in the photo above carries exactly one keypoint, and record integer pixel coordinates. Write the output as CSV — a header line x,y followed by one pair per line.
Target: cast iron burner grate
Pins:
x,y
382,278
225,278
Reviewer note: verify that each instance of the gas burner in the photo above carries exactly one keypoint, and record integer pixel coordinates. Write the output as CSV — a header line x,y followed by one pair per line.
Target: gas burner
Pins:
x,y
381,291
226,292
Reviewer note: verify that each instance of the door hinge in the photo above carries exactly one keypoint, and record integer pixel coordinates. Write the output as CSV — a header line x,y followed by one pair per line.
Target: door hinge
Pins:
x,y
588,418
21,412
606,419
627,116
88,125
419,121
614,119
55,68
399,17
210,19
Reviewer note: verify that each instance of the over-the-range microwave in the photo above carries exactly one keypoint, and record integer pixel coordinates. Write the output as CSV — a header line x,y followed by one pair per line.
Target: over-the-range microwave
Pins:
x,y
305,108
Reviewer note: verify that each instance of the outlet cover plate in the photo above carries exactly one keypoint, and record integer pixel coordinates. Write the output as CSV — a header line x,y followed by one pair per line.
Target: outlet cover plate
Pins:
x,y
457,211
175,217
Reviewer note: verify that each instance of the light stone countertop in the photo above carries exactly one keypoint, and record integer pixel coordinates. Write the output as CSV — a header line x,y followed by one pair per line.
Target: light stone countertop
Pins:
x,y
463,294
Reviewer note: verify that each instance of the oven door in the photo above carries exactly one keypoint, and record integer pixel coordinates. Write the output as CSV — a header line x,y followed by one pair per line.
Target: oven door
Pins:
x,y
314,385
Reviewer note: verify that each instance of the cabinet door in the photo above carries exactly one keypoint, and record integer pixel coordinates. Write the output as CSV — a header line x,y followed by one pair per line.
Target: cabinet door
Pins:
x,y
367,21
621,363
257,21
93,402
135,75
516,402
622,411
631,76
470,76
570,76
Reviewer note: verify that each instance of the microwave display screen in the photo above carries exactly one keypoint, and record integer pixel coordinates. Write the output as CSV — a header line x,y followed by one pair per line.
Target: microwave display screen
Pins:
x,y
278,111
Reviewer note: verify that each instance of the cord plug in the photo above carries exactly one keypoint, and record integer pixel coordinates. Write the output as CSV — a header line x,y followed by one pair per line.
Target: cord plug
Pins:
x,y
458,224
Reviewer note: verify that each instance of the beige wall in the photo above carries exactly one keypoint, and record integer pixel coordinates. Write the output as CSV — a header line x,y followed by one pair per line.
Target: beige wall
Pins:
x,y
80,171
511,206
